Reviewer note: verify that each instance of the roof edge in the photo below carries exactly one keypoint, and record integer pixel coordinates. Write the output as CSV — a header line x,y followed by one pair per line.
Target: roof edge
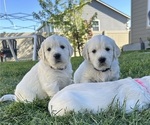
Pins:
x,y
118,11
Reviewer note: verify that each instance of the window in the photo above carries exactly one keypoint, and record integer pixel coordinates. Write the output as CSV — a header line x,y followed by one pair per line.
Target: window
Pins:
x,y
148,14
96,25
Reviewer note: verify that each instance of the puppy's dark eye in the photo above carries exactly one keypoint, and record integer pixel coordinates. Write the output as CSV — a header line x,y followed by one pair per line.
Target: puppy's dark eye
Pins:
x,y
62,46
49,49
107,49
94,51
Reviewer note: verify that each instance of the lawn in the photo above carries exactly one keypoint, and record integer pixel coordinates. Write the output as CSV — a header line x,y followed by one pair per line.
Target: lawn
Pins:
x,y
134,64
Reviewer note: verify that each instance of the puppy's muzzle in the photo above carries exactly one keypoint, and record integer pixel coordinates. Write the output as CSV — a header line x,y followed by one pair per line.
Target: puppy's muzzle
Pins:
x,y
57,57
102,60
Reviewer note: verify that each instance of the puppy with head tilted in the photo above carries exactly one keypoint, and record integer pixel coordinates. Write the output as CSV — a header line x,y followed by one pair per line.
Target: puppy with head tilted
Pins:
x,y
100,61
52,73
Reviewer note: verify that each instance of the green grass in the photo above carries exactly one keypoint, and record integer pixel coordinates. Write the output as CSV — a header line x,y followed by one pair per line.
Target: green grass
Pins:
x,y
134,64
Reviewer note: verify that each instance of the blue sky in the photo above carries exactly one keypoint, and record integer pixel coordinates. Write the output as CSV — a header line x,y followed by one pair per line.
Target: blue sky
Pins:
x,y
17,6
122,5
29,6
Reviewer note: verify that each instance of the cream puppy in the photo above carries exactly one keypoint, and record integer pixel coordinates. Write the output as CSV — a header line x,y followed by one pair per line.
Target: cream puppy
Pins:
x,y
128,94
100,61
52,73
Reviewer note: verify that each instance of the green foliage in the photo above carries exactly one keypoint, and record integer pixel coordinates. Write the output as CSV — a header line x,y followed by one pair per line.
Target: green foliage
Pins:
x,y
133,64
76,61
49,9
67,18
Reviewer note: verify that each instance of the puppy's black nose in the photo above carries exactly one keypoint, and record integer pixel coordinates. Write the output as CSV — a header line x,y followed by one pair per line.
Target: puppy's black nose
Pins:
x,y
102,59
57,55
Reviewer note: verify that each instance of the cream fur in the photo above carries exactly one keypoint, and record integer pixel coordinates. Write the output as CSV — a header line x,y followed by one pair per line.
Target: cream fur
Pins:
x,y
90,69
96,97
49,75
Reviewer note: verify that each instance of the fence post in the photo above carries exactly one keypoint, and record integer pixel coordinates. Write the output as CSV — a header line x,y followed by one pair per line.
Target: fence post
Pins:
x,y
34,58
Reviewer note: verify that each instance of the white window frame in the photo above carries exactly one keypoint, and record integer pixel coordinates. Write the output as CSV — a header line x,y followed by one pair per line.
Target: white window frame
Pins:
x,y
148,11
97,26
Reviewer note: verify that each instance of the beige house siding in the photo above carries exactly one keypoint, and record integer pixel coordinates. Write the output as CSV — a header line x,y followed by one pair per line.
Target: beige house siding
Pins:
x,y
139,20
121,37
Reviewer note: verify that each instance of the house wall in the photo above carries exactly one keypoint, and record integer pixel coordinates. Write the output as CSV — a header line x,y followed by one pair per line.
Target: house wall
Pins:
x,y
139,27
120,37
46,28
112,24
109,19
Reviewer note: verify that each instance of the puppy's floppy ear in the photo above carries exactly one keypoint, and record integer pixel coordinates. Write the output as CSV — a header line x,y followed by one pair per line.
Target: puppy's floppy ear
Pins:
x,y
85,52
41,52
70,50
116,50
